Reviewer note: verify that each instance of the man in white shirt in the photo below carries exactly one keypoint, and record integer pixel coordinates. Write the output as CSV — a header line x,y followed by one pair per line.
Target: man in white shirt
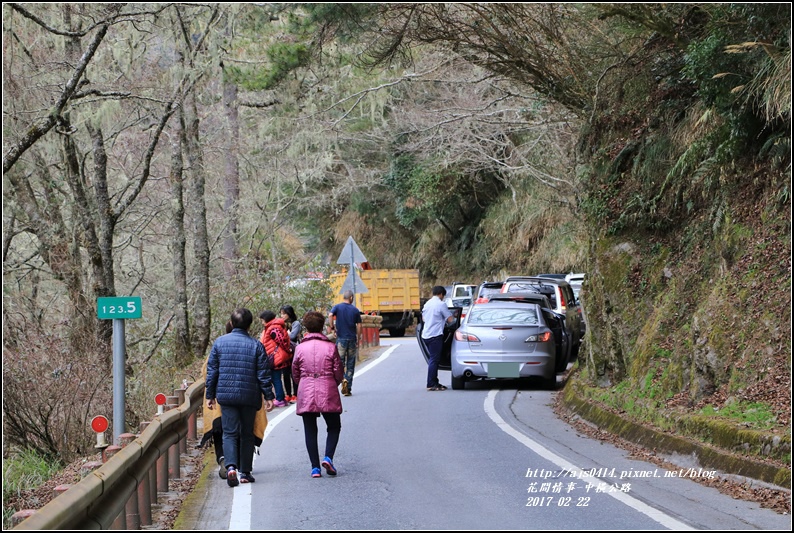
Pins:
x,y
435,315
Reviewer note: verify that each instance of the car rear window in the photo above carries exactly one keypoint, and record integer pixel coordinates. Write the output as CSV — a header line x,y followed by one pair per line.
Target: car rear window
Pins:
x,y
486,315
462,292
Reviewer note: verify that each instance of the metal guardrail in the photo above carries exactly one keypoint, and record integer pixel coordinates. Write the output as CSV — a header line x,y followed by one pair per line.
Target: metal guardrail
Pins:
x,y
112,492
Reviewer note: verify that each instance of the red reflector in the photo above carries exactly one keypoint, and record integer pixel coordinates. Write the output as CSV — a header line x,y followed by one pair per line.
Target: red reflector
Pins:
x,y
534,363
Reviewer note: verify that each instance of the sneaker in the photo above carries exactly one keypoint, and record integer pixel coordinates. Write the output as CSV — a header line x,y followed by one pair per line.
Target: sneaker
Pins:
x,y
246,477
222,468
437,387
329,466
293,399
316,472
345,388
280,404
231,477
348,393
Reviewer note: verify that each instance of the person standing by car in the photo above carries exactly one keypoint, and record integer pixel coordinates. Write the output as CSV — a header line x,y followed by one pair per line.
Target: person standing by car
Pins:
x,y
317,370
435,315
346,322
237,377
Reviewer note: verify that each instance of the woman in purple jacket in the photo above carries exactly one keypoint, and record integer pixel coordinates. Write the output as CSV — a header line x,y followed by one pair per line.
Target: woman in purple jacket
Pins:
x,y
317,371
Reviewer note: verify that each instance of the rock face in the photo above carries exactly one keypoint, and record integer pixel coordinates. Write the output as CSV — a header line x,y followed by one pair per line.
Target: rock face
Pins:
x,y
673,321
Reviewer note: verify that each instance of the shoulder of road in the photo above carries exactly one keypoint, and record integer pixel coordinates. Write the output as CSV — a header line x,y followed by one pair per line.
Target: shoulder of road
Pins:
x,y
695,440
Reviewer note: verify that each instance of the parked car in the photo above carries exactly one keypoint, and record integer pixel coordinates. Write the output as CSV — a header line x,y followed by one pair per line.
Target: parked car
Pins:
x,y
487,289
561,336
562,300
460,294
510,336
575,281
555,276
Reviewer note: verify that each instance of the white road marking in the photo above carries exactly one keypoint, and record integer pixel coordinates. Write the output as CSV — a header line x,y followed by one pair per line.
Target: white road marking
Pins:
x,y
654,514
240,519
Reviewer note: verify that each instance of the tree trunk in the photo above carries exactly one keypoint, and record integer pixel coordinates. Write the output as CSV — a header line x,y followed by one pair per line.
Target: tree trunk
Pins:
x,y
183,351
200,333
231,181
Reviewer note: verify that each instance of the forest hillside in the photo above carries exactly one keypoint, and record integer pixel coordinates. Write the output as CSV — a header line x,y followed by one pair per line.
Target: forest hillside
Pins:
x,y
205,156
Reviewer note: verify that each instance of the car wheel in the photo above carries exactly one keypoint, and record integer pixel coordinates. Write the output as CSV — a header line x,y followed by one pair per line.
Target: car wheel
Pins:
x,y
458,383
396,332
550,383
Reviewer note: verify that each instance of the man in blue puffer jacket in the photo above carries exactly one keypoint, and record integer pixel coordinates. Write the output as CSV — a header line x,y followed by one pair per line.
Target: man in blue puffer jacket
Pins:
x,y
237,377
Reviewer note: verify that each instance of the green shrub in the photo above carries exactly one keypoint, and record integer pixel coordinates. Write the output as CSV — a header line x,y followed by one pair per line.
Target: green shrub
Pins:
x,y
24,470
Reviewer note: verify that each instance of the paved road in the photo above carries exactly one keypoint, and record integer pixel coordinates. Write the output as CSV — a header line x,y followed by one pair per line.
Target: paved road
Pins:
x,y
492,457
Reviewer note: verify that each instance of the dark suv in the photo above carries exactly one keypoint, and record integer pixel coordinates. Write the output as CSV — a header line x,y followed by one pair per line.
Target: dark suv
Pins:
x,y
562,299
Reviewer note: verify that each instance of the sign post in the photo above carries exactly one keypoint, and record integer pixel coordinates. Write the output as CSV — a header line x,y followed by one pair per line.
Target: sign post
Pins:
x,y
352,255
118,309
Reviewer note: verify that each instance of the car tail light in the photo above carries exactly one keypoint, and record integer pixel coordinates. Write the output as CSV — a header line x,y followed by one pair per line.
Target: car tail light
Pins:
x,y
463,336
562,301
542,337
482,300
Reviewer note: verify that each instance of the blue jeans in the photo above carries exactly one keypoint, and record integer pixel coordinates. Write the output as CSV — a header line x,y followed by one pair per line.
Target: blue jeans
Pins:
x,y
434,346
348,352
238,434
278,385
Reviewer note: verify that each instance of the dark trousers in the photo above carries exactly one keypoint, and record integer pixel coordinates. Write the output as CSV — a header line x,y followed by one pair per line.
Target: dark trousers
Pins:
x,y
288,382
434,346
238,435
334,423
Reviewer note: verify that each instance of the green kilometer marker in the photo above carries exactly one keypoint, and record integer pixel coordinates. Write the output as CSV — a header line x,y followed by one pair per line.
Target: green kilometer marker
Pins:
x,y
120,308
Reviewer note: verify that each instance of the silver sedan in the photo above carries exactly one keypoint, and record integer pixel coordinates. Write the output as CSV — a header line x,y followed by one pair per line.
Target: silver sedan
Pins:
x,y
506,339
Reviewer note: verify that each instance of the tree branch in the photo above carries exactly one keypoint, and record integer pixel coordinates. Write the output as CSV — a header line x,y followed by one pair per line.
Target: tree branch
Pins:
x,y
39,130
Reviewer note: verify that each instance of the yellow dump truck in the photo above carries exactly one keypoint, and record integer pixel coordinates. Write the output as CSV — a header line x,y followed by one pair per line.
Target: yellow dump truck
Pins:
x,y
392,294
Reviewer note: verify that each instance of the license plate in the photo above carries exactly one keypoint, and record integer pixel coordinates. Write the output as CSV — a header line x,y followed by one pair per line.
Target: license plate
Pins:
x,y
503,370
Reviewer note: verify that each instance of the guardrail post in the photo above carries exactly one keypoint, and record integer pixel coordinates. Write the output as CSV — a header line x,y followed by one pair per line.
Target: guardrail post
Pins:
x,y
144,498
89,467
126,438
162,474
120,522
173,452
192,420
133,518
151,478
110,451
180,399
